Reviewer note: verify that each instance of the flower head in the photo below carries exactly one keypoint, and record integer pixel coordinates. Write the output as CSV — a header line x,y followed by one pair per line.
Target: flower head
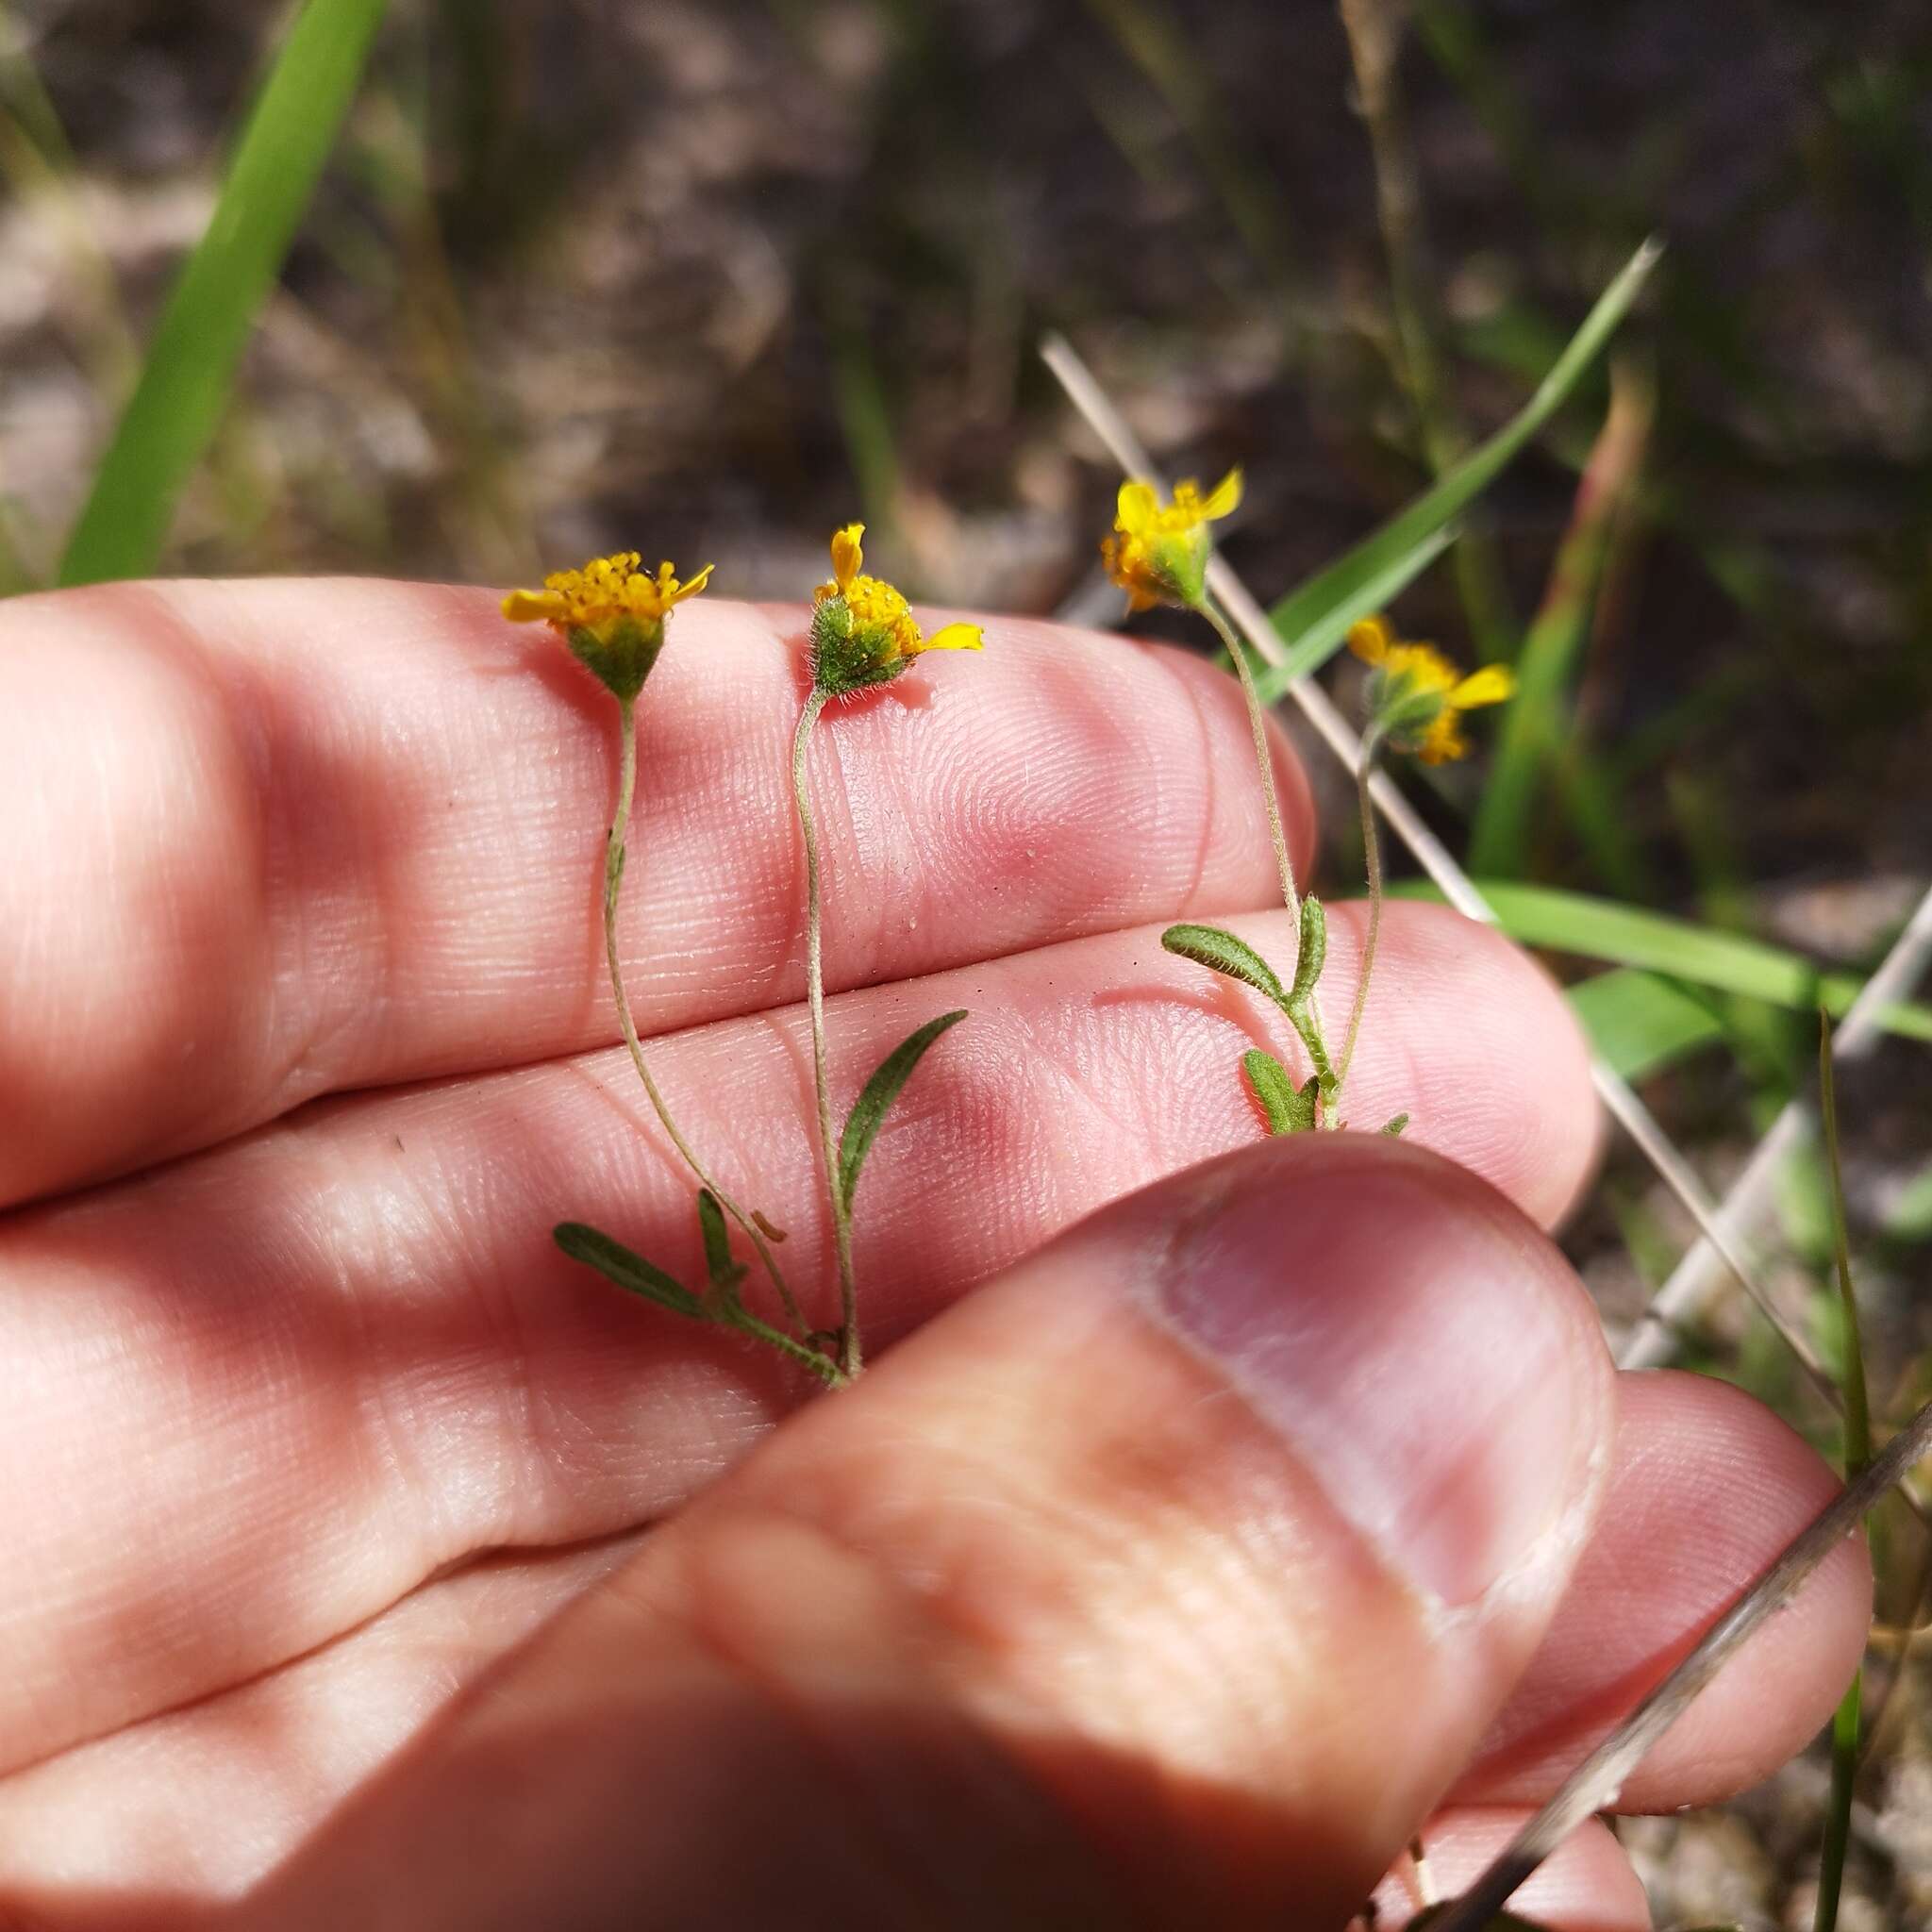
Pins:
x,y
1157,553
1416,697
610,613
863,631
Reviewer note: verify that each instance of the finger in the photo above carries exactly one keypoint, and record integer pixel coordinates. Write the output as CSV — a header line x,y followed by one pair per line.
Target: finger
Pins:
x,y
325,1362
1707,1489
195,1804
276,839
1108,1589
1586,1885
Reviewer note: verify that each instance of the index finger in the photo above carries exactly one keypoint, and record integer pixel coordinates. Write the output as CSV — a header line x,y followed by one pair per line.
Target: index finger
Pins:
x,y
282,838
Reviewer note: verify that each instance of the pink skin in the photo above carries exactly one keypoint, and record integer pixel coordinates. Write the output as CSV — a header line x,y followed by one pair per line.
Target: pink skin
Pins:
x,y
314,1435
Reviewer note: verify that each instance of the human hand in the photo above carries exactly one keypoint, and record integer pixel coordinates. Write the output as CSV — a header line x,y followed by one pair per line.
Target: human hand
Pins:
x,y
372,1565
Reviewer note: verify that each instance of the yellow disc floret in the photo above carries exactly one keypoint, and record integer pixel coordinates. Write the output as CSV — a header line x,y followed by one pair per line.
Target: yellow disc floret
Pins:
x,y
1417,697
1158,551
863,630
610,612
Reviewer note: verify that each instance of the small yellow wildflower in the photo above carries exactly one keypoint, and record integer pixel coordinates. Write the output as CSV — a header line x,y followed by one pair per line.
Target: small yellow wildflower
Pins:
x,y
1157,553
863,631
1417,697
610,613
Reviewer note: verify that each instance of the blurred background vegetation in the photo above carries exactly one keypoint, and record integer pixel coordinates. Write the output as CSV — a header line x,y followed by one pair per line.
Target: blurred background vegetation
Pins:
x,y
706,279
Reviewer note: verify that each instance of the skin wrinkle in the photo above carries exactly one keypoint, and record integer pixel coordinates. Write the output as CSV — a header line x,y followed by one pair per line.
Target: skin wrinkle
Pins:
x,y
399,702
495,1225
902,1875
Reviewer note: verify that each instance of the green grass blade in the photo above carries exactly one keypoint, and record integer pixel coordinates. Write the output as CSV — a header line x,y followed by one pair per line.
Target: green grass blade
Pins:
x,y
1377,556
1318,644
1628,936
1536,723
184,385
1637,1022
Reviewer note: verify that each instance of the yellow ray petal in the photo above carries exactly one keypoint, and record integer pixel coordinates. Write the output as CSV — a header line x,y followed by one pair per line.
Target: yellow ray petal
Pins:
x,y
1225,495
1136,505
532,606
1371,639
691,587
847,555
955,637
1491,685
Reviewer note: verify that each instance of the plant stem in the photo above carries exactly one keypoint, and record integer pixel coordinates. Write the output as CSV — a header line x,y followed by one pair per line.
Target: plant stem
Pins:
x,y
1846,1720
1257,724
1372,861
821,1364
850,1358
613,876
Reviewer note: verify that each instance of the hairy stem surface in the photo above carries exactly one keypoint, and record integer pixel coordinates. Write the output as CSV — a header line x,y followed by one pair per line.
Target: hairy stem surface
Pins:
x,y
850,1357
613,879
1372,862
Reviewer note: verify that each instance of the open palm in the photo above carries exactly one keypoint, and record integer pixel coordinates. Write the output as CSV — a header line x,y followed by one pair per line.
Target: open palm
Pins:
x,y
356,1571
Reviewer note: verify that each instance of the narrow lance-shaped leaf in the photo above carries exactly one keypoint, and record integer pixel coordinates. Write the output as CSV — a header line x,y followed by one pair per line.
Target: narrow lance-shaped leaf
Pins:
x,y
1310,957
1289,1109
628,1271
870,1109
724,1272
205,327
1306,618
1220,952
1311,954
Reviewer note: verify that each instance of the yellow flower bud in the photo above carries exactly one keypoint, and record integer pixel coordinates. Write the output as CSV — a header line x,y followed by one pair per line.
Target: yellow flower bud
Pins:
x,y
862,629
1416,697
1157,553
610,613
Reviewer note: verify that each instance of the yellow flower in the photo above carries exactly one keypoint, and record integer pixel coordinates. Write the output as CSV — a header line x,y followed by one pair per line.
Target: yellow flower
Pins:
x,y
1417,697
1157,553
610,613
863,631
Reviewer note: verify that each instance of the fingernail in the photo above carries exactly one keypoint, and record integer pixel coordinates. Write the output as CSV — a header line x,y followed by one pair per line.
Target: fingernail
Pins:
x,y
1417,1345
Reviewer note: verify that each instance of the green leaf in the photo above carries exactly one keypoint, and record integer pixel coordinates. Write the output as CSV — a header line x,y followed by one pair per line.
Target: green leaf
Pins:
x,y
1637,1022
1535,723
1310,957
1393,1127
1307,618
1220,952
724,1272
630,1272
1289,1109
869,1111
1629,936
198,342
1311,954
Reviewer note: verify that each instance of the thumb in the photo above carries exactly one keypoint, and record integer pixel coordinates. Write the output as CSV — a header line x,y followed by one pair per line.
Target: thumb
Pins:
x,y
1166,1581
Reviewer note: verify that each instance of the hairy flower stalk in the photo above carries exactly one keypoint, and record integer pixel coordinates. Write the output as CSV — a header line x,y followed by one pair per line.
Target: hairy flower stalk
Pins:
x,y
611,614
614,857
1414,701
863,634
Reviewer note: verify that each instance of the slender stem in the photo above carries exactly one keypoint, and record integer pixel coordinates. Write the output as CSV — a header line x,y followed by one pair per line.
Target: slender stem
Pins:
x,y
613,879
821,1364
1371,861
1257,724
1846,1720
849,1354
